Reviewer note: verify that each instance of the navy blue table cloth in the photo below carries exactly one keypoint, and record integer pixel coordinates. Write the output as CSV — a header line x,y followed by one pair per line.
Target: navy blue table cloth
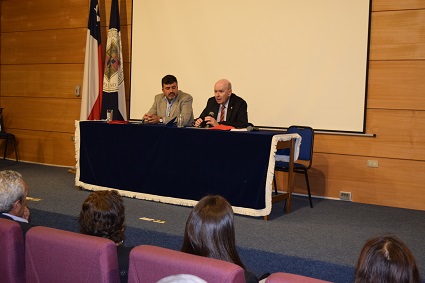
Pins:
x,y
171,164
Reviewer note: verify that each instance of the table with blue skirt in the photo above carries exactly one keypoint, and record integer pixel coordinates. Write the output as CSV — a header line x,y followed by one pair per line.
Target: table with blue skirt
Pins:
x,y
179,165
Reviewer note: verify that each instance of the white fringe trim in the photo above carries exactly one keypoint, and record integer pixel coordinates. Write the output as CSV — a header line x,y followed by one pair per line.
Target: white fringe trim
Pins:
x,y
77,151
285,137
187,202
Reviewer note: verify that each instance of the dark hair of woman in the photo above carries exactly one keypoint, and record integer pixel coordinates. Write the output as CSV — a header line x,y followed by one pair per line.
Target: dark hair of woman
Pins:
x,y
210,231
102,214
386,259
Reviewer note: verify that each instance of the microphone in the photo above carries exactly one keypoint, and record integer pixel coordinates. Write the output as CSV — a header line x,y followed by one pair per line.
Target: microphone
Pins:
x,y
204,123
252,128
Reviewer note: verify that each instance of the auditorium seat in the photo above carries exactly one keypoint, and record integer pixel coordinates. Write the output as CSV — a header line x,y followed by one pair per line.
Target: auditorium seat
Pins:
x,y
283,277
12,259
54,255
149,264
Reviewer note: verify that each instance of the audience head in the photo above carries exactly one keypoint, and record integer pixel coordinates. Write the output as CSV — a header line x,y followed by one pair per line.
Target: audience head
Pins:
x,y
102,214
386,259
222,91
182,278
13,193
170,87
210,230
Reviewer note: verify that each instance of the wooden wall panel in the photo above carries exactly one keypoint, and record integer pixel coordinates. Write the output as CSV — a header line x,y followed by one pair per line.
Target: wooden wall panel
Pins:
x,y
398,35
397,183
41,80
126,43
20,15
43,15
127,76
44,147
40,114
396,85
47,80
386,5
399,134
44,47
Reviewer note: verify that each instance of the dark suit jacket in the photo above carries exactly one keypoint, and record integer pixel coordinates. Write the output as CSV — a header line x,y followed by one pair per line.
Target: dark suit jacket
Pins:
x,y
237,112
24,226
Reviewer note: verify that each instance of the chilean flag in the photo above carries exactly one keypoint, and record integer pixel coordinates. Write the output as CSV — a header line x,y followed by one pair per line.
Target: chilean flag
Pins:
x,y
91,100
113,80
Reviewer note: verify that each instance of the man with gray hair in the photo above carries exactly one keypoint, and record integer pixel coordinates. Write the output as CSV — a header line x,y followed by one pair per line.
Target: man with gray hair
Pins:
x,y
13,194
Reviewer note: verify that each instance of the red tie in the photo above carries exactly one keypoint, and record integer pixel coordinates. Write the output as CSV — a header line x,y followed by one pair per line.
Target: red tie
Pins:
x,y
222,113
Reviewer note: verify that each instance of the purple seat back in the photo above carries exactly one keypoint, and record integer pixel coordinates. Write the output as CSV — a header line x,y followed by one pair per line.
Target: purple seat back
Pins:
x,y
54,255
148,264
283,277
12,259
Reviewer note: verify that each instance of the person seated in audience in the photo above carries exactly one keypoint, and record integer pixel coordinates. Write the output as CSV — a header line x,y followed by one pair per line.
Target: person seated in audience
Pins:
x,y
386,259
210,232
13,199
103,215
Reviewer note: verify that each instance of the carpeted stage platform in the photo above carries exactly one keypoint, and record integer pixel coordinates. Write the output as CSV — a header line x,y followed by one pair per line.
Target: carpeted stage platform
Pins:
x,y
321,242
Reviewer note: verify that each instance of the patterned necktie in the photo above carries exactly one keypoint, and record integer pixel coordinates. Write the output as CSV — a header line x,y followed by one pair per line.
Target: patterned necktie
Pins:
x,y
222,113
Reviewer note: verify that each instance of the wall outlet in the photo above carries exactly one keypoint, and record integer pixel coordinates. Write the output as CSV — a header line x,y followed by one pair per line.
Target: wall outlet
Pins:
x,y
77,90
372,163
344,195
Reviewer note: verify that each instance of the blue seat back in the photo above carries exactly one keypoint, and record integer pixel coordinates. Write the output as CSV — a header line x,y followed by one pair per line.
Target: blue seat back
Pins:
x,y
307,141
307,135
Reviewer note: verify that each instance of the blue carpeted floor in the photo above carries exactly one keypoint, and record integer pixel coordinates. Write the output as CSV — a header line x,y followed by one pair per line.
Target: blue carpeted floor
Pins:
x,y
321,242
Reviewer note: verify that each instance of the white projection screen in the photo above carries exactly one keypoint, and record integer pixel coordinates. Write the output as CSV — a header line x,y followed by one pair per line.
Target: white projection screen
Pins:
x,y
295,62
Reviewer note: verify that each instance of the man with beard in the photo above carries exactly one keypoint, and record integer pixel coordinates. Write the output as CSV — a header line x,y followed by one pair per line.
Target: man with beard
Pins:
x,y
170,103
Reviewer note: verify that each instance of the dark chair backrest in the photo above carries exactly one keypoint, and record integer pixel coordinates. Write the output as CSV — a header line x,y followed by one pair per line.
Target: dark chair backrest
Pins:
x,y
54,255
148,264
12,259
307,142
283,277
